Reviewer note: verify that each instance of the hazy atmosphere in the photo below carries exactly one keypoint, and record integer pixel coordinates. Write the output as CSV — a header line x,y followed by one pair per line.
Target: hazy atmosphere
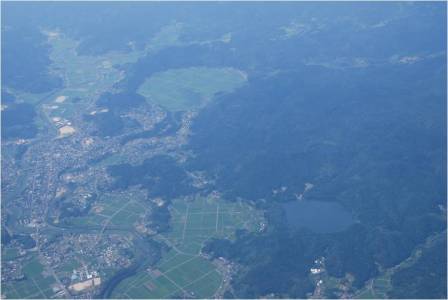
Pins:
x,y
223,150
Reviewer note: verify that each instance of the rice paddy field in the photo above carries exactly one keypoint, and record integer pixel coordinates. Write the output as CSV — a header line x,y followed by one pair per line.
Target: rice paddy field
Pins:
x,y
183,270
36,283
189,88
112,210
85,77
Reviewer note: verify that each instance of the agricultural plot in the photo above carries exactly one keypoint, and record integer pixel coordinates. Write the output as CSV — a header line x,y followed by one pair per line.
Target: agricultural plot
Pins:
x,y
32,98
377,289
113,159
112,210
167,36
69,266
197,221
9,253
380,286
84,77
35,285
189,88
120,211
183,271
86,74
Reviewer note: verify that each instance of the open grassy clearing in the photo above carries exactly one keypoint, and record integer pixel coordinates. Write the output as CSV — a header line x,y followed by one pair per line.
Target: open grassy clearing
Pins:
x,y
189,88
183,270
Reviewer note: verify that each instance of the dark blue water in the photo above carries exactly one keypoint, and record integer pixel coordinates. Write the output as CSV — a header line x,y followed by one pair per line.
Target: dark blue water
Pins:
x,y
318,216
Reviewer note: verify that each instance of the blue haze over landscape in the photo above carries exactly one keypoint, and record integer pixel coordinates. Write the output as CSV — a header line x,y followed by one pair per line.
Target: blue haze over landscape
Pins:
x,y
223,150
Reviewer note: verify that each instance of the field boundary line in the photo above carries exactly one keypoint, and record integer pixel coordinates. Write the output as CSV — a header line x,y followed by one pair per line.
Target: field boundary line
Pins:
x,y
185,223
133,284
217,217
178,286
38,287
178,265
192,282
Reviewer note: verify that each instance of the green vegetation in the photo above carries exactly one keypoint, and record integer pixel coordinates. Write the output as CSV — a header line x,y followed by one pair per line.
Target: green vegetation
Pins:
x,y
425,276
377,288
35,284
186,274
113,210
167,36
32,98
84,76
183,270
87,76
110,159
9,253
189,88
383,286
69,266
195,222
